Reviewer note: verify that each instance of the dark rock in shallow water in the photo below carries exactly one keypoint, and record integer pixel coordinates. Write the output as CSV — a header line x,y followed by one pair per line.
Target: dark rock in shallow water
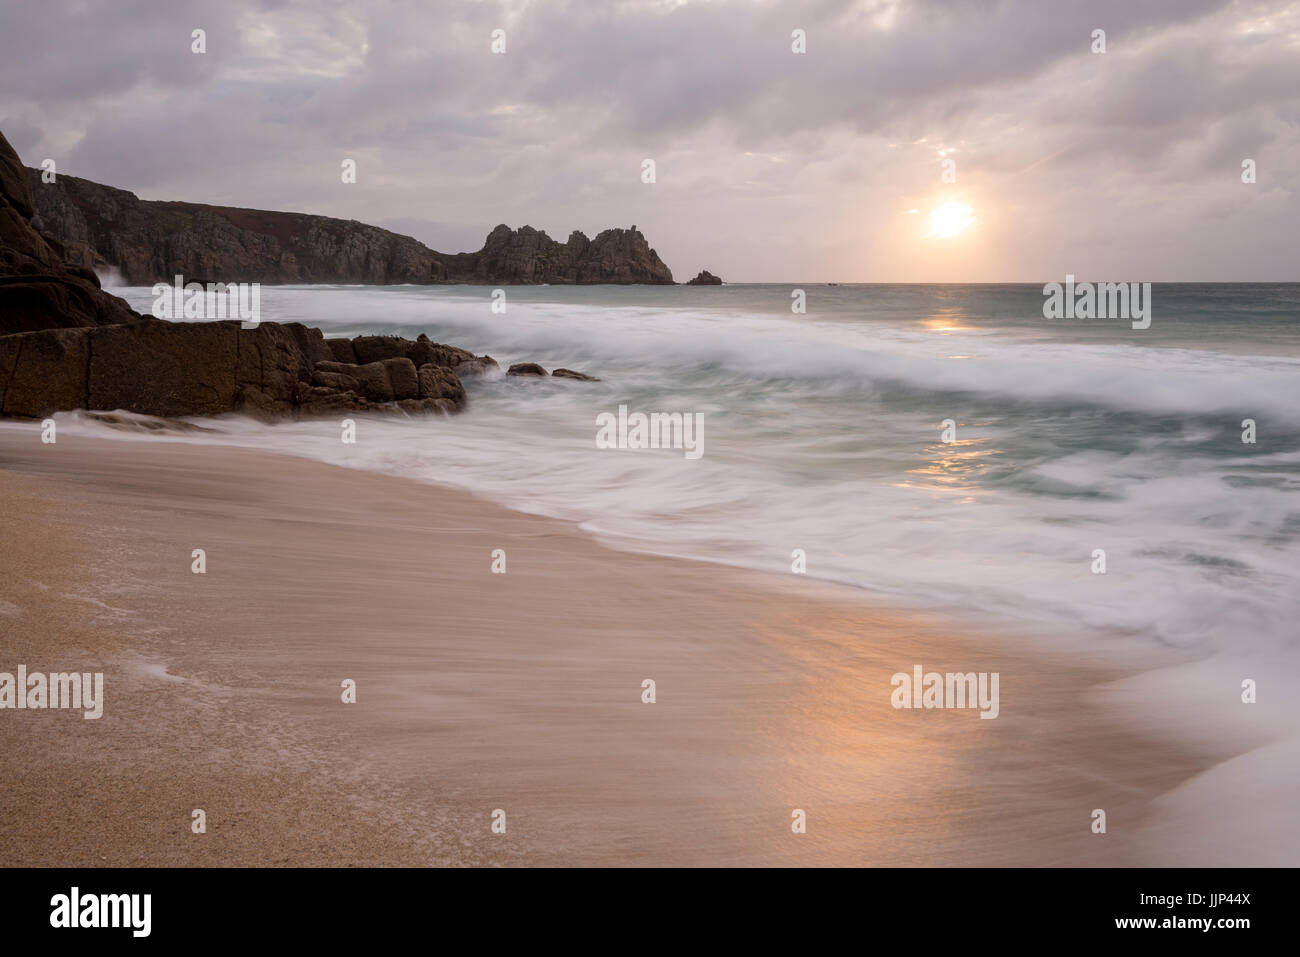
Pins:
x,y
482,365
526,368
426,406
705,278
133,422
570,374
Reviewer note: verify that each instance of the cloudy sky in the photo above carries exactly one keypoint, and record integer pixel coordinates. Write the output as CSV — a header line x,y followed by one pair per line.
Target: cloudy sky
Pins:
x,y
771,165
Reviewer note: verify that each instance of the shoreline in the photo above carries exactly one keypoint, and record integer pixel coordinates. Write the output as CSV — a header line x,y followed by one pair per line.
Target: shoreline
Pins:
x,y
519,691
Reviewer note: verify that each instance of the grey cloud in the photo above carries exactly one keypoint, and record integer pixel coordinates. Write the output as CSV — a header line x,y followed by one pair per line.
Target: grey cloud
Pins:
x,y
752,141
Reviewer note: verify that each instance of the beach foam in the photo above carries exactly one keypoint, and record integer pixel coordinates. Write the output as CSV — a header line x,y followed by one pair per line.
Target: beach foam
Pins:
x,y
824,435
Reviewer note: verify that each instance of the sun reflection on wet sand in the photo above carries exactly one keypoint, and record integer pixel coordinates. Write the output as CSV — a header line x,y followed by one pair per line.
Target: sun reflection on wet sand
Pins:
x,y
884,787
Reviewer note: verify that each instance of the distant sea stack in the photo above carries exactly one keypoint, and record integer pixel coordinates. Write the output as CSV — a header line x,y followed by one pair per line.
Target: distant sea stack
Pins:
x,y
705,278
527,255
153,241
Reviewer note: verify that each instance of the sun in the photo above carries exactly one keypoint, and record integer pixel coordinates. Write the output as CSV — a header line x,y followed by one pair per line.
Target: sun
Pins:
x,y
951,219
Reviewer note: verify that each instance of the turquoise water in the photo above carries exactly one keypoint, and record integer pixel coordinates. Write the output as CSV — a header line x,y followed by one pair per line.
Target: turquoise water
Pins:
x,y
823,432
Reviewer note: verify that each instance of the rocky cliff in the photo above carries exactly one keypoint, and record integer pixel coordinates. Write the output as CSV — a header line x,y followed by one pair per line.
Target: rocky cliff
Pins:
x,y
39,287
66,344
150,241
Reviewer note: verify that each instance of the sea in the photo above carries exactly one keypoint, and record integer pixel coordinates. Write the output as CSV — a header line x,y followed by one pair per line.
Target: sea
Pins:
x,y
940,447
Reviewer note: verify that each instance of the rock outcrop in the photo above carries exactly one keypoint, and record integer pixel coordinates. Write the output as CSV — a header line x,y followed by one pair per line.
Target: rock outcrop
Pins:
x,y
527,255
39,287
176,369
705,278
526,368
534,370
482,366
148,241
66,344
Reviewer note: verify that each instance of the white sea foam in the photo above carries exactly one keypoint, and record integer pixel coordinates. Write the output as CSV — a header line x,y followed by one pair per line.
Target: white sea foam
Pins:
x,y
823,435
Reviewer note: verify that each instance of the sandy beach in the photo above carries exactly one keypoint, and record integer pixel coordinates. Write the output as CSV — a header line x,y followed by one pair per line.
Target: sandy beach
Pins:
x,y
479,691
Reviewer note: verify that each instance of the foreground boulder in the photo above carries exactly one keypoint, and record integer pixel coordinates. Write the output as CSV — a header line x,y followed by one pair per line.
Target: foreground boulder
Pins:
x,y
570,374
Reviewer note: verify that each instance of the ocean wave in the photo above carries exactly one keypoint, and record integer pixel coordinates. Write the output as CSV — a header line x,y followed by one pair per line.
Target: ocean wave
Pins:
x,y
838,356
823,434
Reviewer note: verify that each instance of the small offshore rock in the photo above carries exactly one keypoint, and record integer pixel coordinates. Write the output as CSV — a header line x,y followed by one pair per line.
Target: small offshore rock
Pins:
x,y
481,365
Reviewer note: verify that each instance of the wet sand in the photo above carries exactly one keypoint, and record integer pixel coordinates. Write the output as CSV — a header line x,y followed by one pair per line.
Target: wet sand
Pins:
x,y
479,691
